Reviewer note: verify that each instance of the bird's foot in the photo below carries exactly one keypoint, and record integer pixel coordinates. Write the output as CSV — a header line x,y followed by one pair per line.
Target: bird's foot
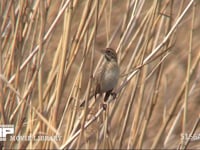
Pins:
x,y
104,105
114,95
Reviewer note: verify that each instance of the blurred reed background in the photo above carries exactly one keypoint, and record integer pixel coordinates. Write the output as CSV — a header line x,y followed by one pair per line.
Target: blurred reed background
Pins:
x,y
48,56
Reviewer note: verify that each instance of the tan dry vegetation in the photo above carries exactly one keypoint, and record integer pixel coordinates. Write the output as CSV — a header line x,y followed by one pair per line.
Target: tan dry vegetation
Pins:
x,y
48,53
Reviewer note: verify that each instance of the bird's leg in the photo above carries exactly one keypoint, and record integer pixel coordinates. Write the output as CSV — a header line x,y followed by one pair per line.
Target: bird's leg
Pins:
x,y
108,93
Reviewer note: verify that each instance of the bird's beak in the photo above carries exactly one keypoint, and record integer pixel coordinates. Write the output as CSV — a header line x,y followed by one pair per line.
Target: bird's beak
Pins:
x,y
101,51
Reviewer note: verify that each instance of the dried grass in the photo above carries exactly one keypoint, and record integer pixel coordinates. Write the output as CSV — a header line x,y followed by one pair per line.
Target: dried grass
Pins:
x,y
48,57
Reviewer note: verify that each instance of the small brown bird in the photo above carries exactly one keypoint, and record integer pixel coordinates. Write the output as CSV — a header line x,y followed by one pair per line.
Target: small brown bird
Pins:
x,y
107,75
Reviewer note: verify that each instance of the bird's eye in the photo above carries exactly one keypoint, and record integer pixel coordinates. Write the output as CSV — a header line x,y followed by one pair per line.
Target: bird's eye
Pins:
x,y
109,51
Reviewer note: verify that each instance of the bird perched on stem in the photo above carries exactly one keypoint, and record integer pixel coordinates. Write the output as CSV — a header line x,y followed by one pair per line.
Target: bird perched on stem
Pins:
x,y
107,75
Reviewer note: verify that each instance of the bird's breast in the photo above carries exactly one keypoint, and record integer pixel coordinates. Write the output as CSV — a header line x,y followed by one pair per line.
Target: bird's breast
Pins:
x,y
110,78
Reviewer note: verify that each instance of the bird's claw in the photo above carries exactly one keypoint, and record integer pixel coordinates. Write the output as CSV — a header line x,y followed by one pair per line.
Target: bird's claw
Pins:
x,y
114,95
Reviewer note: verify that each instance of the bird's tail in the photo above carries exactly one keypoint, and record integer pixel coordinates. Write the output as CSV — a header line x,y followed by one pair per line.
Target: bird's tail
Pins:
x,y
82,104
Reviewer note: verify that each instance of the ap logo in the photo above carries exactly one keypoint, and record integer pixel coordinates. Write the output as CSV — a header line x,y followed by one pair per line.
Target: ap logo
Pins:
x,y
5,130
